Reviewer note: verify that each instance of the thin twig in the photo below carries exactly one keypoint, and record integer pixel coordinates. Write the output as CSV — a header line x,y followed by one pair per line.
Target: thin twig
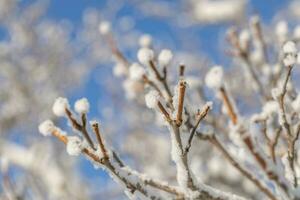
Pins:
x,y
100,140
181,94
200,116
80,128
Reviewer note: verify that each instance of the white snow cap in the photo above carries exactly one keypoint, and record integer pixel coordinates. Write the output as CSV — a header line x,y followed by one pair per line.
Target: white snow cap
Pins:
x,y
104,27
290,51
136,71
214,78
46,127
151,99
289,60
74,145
145,55
145,40
244,38
82,106
120,70
165,57
59,106
289,48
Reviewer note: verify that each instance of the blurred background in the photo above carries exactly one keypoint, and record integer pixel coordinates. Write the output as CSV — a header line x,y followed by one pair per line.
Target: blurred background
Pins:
x,y
53,48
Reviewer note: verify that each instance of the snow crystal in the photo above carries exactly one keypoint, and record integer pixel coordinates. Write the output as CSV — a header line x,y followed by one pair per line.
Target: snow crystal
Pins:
x,y
214,77
151,99
74,145
82,106
165,57
59,106
145,55
46,128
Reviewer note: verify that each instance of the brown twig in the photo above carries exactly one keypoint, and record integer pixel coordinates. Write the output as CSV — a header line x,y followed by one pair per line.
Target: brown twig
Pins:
x,y
152,84
164,111
80,128
228,105
100,140
181,94
200,117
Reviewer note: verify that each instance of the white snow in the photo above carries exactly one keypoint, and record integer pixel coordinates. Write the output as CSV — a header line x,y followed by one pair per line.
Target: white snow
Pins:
x,y
289,60
120,70
104,27
136,71
151,99
59,106
276,93
289,48
214,77
145,40
46,127
165,57
74,145
82,106
270,108
145,55
281,30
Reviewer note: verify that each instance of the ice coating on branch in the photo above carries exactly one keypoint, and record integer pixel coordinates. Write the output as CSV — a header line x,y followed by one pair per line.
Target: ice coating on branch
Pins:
x,y
136,71
46,127
82,106
59,106
152,98
104,27
74,145
165,57
145,55
145,40
214,78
